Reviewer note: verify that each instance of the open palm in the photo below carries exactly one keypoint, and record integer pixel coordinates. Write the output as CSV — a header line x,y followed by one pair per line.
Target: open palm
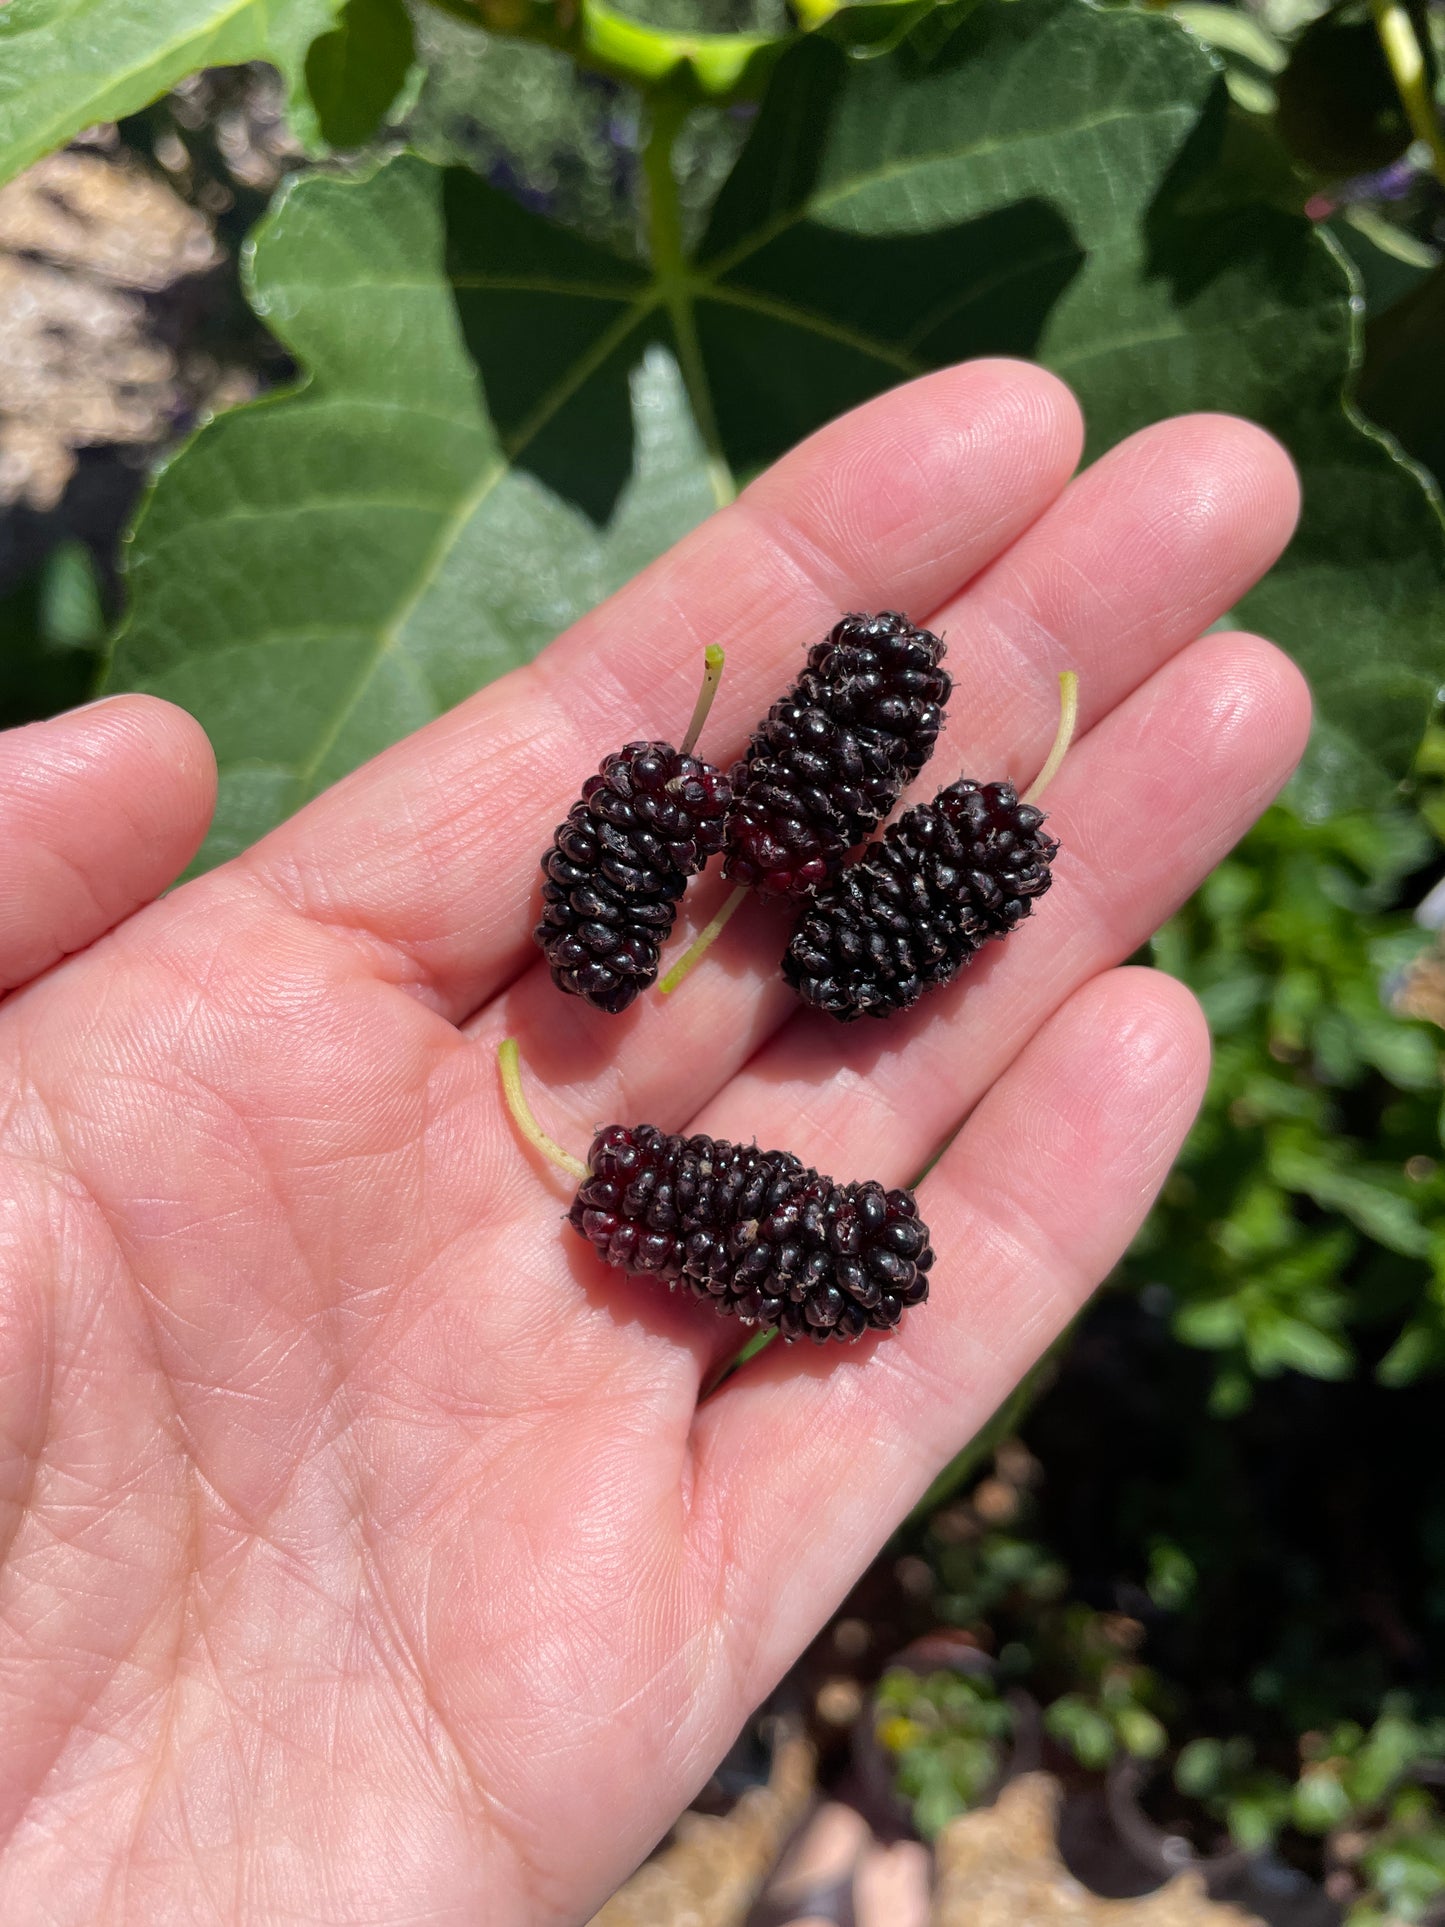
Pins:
x,y
365,1552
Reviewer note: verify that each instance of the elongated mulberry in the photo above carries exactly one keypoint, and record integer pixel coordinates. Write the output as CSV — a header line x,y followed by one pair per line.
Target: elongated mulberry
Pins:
x,y
832,757
647,821
919,903
754,1233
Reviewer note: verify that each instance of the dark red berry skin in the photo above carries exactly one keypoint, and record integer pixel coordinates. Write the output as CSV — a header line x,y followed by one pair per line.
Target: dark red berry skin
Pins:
x,y
754,1233
831,759
647,821
921,902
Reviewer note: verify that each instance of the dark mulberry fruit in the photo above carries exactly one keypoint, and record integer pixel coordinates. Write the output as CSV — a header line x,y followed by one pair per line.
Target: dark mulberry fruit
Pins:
x,y
833,756
648,820
754,1233
938,883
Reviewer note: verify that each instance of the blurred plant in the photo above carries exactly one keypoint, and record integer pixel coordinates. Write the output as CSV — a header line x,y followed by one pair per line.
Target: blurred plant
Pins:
x,y
1400,1869
946,1732
1348,1772
1348,1780
1310,1198
1111,1710
1251,1802
1011,1593
1368,1788
1373,1791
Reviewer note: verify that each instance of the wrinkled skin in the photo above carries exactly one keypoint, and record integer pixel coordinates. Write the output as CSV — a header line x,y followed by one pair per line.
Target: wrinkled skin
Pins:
x,y
365,1552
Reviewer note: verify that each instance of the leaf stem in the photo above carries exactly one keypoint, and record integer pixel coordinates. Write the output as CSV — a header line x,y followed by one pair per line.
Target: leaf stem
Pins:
x,y
712,661
667,112
1406,57
1068,723
702,943
509,1062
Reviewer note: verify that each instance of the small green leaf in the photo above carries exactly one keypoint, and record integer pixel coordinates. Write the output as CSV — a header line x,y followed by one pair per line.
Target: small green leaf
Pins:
x,y
1199,1768
1211,1324
70,613
1173,1576
1232,31
1419,1349
1256,1815
1377,1203
1319,1801
1088,1735
1301,1347
1142,1734
323,571
1231,1394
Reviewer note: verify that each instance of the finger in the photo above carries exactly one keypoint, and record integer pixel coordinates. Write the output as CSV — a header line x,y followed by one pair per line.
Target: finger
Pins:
x,y
1030,1208
1138,555
433,848
100,810
1155,541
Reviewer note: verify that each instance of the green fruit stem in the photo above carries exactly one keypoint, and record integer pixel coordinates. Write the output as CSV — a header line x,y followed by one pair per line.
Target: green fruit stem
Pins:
x,y
509,1062
1068,723
712,658
702,943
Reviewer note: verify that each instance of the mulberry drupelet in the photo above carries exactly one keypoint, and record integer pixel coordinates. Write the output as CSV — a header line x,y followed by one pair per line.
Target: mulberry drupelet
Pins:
x,y
831,758
647,821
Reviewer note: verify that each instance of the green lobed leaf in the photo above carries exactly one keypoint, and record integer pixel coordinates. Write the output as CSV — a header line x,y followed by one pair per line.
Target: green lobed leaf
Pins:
x,y
1092,212
1051,181
321,572
1044,179
65,64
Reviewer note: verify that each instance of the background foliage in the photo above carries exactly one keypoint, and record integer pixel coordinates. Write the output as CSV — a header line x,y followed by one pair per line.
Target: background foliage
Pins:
x,y
552,278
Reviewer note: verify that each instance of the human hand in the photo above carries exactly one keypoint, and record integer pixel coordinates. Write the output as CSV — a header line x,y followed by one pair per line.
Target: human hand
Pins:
x,y
367,1555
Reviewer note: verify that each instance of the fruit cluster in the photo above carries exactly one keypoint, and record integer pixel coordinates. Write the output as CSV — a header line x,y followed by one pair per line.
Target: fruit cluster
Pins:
x,y
756,1233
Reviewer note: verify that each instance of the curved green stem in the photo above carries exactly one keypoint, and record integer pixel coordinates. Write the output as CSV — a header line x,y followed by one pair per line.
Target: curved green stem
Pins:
x,y
702,943
1063,736
509,1062
712,668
